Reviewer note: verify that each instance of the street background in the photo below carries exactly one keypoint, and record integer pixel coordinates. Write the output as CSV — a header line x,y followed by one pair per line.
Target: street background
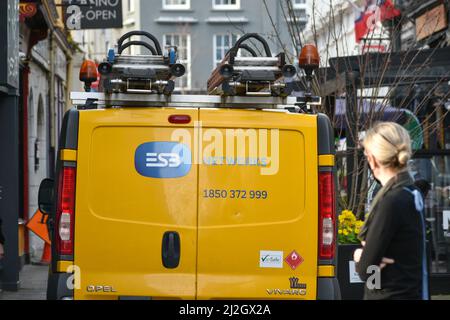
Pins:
x,y
381,60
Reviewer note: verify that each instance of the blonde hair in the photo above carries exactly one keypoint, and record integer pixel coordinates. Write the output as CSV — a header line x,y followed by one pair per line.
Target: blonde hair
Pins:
x,y
390,144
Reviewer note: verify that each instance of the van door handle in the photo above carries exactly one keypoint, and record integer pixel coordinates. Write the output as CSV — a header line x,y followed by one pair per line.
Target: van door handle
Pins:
x,y
171,248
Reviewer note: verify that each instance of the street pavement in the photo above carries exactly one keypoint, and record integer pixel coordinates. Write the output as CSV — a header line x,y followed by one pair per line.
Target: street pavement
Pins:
x,y
33,284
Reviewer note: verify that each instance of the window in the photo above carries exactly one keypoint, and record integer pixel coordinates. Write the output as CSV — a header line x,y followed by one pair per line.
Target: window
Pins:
x,y
431,174
299,4
183,44
176,4
222,44
300,12
226,4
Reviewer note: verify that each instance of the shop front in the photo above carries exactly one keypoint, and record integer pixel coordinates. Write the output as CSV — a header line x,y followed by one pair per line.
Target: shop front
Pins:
x,y
9,141
432,169
416,97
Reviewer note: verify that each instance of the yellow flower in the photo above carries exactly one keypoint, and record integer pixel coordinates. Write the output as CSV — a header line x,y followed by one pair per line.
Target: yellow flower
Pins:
x,y
349,224
358,226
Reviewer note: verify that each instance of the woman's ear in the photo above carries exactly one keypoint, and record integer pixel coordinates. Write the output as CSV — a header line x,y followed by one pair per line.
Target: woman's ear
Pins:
x,y
375,164
370,160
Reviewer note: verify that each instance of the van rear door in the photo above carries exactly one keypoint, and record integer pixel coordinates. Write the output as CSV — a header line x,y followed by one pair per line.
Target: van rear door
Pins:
x,y
258,205
135,212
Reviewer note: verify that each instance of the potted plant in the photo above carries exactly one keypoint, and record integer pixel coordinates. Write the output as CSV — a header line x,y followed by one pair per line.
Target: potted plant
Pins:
x,y
352,288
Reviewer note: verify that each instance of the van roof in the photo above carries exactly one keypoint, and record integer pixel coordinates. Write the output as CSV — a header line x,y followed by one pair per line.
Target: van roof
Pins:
x,y
99,100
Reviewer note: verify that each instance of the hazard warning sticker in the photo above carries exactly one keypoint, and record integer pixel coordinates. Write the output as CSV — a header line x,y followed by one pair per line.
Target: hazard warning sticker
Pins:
x,y
294,260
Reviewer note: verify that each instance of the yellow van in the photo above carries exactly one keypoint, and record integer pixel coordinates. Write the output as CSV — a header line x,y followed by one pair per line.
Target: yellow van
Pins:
x,y
185,197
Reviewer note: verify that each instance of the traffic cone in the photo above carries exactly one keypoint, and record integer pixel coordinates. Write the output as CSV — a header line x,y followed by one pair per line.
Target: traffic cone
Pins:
x,y
46,254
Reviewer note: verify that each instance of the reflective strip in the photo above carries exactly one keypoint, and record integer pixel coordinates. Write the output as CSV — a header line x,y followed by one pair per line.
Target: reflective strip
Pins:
x,y
326,161
418,201
63,266
326,271
69,155
425,293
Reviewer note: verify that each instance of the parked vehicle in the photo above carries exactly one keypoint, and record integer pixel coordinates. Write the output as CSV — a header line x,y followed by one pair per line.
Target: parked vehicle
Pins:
x,y
164,196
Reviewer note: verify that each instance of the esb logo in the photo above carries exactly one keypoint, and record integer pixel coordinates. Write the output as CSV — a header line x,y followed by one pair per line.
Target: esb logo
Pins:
x,y
163,160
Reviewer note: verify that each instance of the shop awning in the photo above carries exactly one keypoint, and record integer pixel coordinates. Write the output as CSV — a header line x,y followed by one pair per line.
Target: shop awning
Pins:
x,y
370,112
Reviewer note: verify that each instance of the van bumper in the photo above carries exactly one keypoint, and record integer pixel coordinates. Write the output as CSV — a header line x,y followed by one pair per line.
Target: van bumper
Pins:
x,y
57,288
328,289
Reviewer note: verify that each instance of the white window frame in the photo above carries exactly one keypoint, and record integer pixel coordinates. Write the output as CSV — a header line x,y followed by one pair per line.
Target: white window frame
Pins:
x,y
132,6
167,6
236,6
215,61
186,61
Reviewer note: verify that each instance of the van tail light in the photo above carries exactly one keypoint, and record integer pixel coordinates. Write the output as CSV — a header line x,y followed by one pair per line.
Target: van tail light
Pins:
x,y
327,219
65,213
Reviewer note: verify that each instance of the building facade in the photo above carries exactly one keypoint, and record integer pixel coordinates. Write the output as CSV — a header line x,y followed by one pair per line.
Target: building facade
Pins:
x,y
9,141
413,75
204,30
44,56
427,27
427,23
332,28
47,100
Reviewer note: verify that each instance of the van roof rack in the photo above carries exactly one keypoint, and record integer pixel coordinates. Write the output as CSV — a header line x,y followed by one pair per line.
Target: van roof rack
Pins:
x,y
239,82
253,75
95,100
149,74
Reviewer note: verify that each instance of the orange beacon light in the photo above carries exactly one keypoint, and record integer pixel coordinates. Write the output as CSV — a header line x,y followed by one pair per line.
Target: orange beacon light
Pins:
x,y
88,74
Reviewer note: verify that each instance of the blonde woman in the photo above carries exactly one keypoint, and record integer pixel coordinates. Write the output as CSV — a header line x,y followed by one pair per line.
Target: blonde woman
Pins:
x,y
393,235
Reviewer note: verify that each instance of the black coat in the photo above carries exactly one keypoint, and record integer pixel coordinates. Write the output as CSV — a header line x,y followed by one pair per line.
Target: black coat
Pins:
x,y
2,238
395,232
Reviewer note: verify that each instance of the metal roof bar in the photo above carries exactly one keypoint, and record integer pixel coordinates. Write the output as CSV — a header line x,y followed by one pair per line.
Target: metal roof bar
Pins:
x,y
187,101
